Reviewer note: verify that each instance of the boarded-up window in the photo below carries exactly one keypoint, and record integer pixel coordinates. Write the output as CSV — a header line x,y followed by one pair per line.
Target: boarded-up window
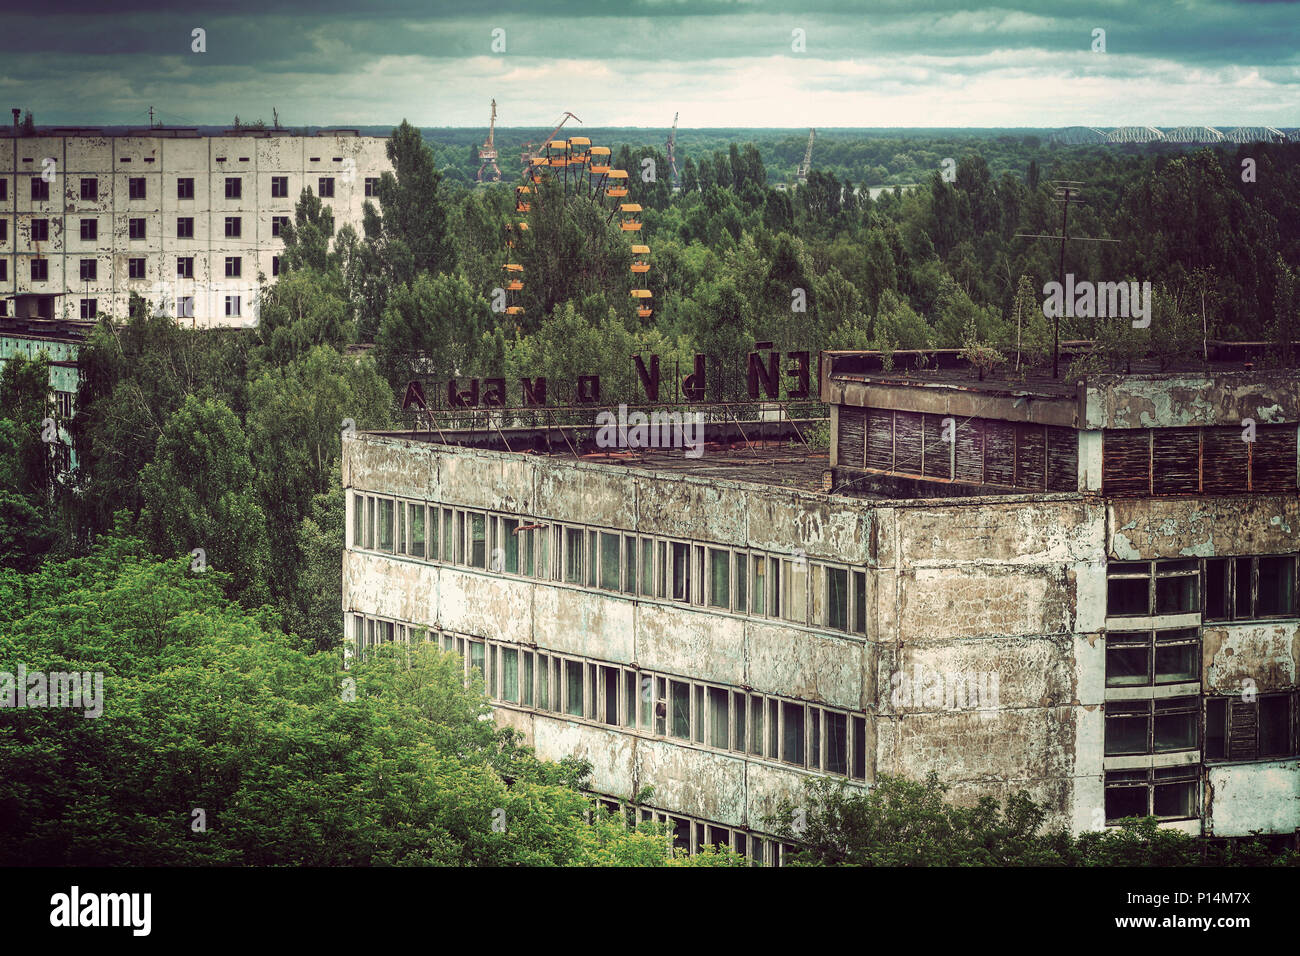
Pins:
x,y
1125,462
938,451
1273,459
1175,458
1062,459
907,442
880,439
1000,453
852,435
1224,461
1031,457
970,451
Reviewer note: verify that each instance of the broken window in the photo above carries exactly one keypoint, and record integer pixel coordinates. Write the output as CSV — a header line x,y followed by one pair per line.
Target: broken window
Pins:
x,y
837,736
415,521
1246,588
385,516
573,548
794,592
234,267
89,308
185,267
89,270
573,688
719,718
719,578
1177,587
1146,726
609,548
792,734
758,592
837,598
1169,793
681,572
1237,729
478,541
1128,589
609,695
1142,658
680,703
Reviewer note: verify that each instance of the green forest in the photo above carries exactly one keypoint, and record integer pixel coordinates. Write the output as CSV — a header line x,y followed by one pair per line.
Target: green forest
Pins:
x,y
193,555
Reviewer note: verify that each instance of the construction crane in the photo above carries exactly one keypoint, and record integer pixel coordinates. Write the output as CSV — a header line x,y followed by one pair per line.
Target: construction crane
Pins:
x,y
533,151
802,174
487,153
672,156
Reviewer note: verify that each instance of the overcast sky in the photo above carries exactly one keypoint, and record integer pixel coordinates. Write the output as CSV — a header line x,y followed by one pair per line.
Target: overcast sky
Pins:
x,y
718,62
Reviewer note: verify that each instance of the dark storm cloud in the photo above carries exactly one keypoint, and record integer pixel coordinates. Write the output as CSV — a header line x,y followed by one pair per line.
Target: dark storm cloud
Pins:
x,y
81,58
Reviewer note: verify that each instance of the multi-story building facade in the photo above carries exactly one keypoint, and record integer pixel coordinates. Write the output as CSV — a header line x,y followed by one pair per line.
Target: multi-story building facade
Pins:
x,y
185,220
1085,592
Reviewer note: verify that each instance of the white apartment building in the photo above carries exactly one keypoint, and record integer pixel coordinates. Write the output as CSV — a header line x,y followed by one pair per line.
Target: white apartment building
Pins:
x,y
188,221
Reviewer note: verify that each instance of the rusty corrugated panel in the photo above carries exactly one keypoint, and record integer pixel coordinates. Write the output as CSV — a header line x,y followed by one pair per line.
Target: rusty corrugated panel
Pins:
x,y
1000,453
907,442
1224,461
1031,457
880,439
1126,462
970,451
1175,461
1273,459
938,453
852,436
1062,459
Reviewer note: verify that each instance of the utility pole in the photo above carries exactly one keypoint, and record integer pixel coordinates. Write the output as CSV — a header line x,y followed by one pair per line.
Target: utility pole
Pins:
x,y
1067,191
151,117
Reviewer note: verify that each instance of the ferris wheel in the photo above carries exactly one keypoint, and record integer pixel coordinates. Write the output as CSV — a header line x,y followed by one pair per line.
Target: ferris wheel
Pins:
x,y
579,172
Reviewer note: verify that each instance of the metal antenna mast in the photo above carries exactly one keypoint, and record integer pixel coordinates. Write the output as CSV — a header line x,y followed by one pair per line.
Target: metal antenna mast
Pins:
x,y
1066,192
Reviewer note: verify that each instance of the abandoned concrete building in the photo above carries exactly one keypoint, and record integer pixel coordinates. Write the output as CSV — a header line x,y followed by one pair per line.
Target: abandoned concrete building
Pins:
x,y
187,221
1085,591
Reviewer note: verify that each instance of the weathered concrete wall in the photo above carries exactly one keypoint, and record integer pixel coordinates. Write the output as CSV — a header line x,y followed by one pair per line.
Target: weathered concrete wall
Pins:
x,y
1171,401
1009,590
1257,796
1195,527
1264,652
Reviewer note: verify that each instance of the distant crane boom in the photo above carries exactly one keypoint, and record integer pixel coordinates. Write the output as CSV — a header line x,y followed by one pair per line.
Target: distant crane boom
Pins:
x,y
806,165
487,153
672,155
533,150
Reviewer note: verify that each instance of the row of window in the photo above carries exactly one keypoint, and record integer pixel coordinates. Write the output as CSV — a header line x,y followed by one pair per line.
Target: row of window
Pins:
x,y
693,835
1219,589
1235,728
739,581
137,228
724,718
184,306
137,188
135,268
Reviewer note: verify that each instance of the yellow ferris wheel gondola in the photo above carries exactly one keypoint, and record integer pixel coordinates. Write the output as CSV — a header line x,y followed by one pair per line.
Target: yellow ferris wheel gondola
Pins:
x,y
581,171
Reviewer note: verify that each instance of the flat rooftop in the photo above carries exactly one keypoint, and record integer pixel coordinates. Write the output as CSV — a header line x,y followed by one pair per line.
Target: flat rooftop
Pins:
x,y
785,462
